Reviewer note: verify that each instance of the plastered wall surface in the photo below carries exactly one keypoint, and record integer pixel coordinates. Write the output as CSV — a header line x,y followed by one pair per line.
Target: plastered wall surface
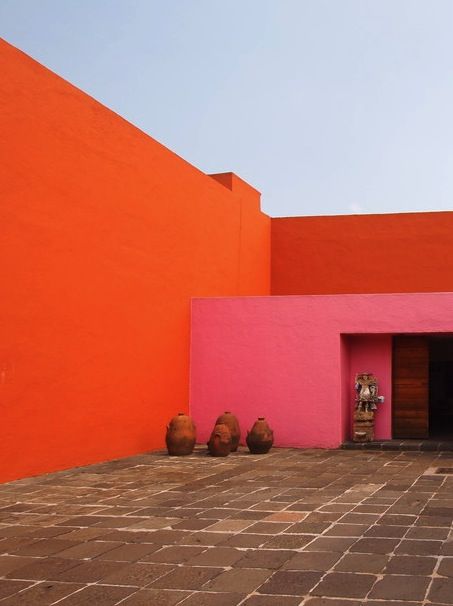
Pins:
x,y
410,252
285,358
105,236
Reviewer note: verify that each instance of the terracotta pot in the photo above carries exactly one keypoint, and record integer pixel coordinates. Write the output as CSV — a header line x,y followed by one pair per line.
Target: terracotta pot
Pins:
x,y
260,438
232,423
181,435
219,444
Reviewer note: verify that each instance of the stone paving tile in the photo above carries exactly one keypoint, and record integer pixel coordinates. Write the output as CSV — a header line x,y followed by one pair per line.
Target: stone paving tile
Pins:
x,y
330,544
241,579
148,524
273,530
397,520
83,534
386,532
370,508
337,507
288,541
9,588
441,591
412,565
414,547
374,545
285,516
202,598
87,551
53,531
345,584
264,558
43,547
187,577
433,521
289,582
137,574
333,602
170,537
421,532
446,567
217,556
312,560
214,514
97,595
346,530
394,587
246,540
41,594
192,524
307,527
318,517
199,538
89,571
125,536
270,600
232,526
267,527
447,548
130,552
41,569
249,514
174,554
15,531
359,518
10,563
155,597
81,521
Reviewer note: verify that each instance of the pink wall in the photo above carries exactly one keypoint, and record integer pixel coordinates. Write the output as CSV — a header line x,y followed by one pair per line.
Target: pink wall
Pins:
x,y
285,358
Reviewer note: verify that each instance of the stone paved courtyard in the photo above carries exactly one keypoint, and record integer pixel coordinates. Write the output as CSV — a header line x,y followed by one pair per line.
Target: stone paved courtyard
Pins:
x,y
292,527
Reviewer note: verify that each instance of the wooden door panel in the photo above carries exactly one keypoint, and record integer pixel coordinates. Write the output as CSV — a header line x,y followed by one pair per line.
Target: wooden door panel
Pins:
x,y
410,399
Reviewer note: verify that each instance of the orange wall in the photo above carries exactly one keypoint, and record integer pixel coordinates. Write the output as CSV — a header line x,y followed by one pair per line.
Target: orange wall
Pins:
x,y
105,237
410,252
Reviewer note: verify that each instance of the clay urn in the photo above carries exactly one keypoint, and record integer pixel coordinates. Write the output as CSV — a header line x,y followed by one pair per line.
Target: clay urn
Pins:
x,y
232,423
181,435
260,438
219,444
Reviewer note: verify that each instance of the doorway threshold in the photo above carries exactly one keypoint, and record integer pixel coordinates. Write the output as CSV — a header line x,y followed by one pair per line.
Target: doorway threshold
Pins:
x,y
413,445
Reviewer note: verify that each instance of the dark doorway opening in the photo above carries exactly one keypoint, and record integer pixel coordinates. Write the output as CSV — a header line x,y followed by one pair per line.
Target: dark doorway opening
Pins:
x,y
441,387
422,400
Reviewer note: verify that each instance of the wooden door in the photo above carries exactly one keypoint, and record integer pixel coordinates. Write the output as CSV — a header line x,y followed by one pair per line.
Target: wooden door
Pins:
x,y
410,401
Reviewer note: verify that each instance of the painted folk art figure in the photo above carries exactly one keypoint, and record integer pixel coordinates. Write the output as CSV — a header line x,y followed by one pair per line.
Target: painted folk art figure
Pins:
x,y
366,401
367,391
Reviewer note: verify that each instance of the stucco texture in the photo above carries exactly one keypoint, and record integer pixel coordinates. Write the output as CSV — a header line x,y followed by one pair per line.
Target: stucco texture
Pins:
x,y
402,252
293,359
106,235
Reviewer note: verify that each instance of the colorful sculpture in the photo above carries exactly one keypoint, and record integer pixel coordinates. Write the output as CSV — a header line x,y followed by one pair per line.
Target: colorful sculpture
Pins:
x,y
367,398
367,391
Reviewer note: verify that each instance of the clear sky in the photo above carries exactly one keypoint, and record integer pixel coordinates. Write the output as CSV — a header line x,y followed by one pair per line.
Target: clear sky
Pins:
x,y
325,106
